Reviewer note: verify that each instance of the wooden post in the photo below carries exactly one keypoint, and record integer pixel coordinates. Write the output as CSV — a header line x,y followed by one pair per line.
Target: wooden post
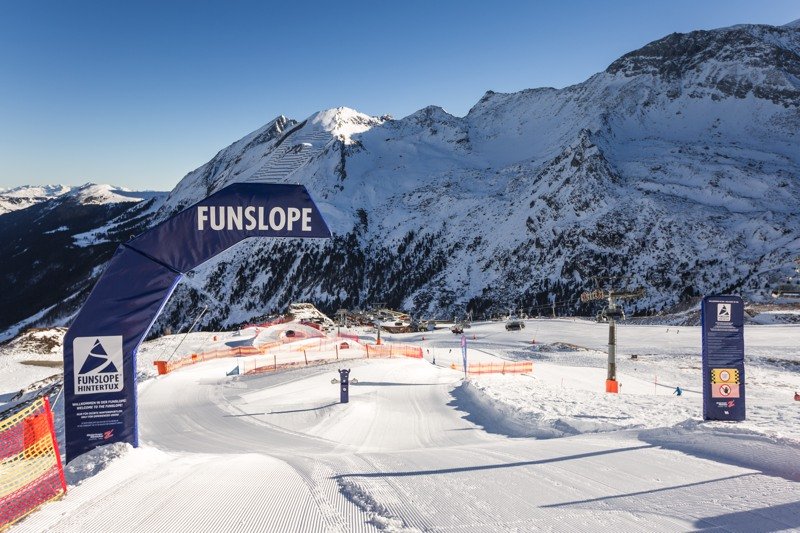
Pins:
x,y
305,357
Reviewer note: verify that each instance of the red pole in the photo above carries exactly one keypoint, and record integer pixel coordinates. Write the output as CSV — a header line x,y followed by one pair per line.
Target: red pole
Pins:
x,y
55,442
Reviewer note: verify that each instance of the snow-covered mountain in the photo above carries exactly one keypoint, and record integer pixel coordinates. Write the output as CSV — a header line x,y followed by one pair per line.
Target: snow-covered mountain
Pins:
x,y
676,169
54,250
28,195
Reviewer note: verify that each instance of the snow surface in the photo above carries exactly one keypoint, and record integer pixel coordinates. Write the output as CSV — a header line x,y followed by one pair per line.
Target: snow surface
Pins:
x,y
92,193
419,449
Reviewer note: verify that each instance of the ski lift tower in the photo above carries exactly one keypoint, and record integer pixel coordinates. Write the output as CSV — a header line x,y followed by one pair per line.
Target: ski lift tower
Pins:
x,y
613,312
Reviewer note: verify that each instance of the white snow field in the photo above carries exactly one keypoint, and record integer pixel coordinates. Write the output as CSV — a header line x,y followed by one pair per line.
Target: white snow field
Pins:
x,y
419,449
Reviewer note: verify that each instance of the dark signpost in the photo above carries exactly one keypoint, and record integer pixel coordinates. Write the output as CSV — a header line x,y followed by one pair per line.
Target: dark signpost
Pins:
x,y
344,387
723,358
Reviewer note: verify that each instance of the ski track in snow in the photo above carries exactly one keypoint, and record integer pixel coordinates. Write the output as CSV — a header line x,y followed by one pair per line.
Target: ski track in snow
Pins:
x,y
418,449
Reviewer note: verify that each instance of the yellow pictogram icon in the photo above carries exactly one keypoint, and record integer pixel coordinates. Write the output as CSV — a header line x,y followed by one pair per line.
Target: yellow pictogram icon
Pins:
x,y
725,375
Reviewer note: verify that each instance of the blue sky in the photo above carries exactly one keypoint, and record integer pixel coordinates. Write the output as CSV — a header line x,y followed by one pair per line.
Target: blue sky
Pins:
x,y
139,93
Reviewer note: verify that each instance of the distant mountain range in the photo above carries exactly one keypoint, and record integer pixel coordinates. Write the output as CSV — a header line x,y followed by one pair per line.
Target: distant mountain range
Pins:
x,y
676,169
28,195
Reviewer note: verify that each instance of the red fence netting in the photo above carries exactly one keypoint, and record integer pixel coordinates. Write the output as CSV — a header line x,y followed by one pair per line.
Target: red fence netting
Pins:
x,y
394,350
291,345
30,465
517,367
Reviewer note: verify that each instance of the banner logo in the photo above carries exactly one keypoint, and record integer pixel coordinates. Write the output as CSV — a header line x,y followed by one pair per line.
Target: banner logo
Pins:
x,y
724,312
250,218
98,364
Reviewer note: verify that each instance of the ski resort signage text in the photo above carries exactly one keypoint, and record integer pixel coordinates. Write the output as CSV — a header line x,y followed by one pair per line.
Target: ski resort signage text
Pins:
x,y
723,358
238,218
101,344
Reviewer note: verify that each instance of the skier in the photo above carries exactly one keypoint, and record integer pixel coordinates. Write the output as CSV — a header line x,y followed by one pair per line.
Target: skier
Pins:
x,y
797,396
678,391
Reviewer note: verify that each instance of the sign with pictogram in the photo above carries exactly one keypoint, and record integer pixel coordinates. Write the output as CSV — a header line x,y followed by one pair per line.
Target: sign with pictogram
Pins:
x,y
724,383
724,390
723,358
724,375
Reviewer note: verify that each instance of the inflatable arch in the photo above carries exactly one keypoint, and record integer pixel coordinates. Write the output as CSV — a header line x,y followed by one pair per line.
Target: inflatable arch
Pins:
x,y
100,345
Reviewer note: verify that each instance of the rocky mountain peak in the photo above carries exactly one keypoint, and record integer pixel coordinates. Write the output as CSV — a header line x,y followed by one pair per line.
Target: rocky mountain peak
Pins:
x,y
762,61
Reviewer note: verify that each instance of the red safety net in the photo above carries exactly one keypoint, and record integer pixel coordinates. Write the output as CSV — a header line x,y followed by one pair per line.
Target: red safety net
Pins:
x,y
394,350
504,367
30,465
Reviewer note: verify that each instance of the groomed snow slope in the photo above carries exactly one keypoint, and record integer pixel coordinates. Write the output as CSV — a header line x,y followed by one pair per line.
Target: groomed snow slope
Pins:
x,y
416,449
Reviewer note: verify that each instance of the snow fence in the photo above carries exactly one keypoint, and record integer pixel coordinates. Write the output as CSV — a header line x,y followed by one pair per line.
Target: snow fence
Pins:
x,y
393,350
287,354
165,367
31,473
505,367
321,351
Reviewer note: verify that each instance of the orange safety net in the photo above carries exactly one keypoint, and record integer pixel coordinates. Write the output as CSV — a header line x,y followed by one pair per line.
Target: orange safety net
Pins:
x,y
519,367
394,350
291,348
30,465
285,357
165,367
321,344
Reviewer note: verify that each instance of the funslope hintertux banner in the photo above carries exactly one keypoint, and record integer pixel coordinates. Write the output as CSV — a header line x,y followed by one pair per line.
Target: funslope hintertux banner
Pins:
x,y
100,346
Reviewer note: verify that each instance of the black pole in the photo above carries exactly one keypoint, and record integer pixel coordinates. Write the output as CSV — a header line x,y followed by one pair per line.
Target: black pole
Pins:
x,y
612,350
344,380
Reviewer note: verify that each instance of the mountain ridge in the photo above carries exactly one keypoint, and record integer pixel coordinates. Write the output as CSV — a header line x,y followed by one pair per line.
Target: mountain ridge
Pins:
x,y
675,169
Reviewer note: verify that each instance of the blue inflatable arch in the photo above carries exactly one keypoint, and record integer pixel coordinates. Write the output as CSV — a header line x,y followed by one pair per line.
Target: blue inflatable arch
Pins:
x,y
100,346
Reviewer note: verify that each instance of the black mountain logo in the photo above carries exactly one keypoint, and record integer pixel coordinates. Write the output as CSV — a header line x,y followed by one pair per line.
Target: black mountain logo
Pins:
x,y
97,358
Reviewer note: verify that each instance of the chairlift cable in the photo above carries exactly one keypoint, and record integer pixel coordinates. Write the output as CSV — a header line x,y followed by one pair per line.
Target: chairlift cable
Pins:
x,y
58,396
196,320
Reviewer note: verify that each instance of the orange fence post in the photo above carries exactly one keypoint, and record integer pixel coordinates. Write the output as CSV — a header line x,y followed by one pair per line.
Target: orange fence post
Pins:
x,y
161,366
55,443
